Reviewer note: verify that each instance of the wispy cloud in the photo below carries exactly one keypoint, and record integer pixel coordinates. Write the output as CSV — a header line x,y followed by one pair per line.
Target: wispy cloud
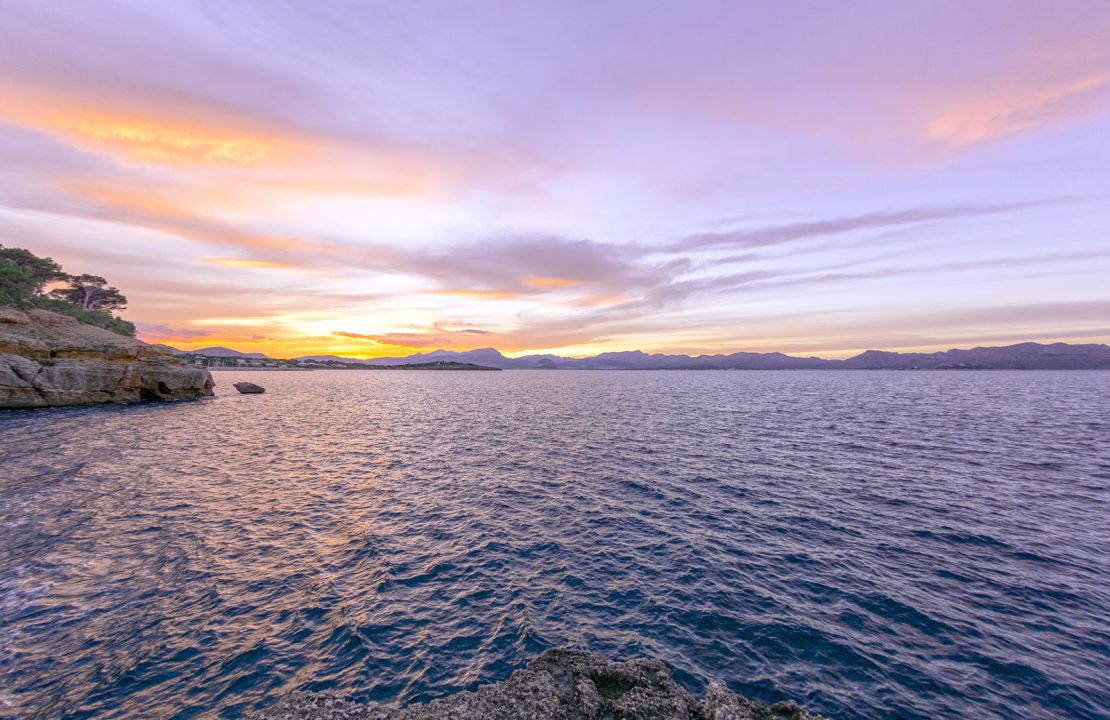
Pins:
x,y
992,118
781,234
246,262
157,332
435,336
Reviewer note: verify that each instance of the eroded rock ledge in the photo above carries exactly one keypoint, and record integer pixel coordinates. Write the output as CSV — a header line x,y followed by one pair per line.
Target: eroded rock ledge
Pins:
x,y
557,685
47,359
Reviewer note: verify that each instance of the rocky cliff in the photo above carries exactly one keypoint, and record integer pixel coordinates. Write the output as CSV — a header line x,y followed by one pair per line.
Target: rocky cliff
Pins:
x,y
557,685
47,359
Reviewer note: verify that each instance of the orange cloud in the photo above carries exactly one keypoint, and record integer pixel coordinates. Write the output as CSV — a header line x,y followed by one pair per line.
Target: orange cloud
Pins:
x,y
183,138
185,342
989,119
479,294
246,262
146,201
146,140
149,207
407,340
204,137
595,300
551,282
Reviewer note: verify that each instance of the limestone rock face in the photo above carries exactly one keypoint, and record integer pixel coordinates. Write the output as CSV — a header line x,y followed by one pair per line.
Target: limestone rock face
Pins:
x,y
557,685
47,359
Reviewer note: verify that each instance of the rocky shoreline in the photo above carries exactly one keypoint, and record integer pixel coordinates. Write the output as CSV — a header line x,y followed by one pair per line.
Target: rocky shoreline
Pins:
x,y
49,360
558,685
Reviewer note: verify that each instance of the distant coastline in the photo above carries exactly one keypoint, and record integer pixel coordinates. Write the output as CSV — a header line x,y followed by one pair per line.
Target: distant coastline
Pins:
x,y
1023,356
224,368
439,365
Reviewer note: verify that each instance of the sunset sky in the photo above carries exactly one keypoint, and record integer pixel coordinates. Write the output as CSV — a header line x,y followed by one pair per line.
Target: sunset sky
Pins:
x,y
373,178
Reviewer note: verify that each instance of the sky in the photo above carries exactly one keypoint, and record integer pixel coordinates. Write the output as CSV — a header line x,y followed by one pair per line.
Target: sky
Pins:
x,y
373,179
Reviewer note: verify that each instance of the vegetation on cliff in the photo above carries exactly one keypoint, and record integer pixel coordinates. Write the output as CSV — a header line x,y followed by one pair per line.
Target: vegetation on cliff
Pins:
x,y
28,281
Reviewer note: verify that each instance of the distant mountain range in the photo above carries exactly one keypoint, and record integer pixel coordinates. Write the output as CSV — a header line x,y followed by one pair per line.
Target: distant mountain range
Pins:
x,y
1024,356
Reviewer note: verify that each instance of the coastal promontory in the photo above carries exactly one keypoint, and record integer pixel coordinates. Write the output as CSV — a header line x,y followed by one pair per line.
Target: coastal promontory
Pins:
x,y
49,359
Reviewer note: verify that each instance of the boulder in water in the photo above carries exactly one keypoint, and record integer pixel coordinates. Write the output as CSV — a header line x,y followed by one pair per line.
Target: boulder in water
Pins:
x,y
249,388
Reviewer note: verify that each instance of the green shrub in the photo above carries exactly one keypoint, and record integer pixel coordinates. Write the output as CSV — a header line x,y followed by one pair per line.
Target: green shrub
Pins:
x,y
90,317
16,284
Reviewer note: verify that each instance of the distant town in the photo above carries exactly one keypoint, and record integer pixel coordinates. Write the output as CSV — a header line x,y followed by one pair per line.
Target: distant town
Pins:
x,y
218,362
225,359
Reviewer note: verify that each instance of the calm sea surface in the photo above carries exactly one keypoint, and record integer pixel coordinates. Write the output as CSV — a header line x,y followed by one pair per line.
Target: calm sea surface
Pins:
x,y
873,544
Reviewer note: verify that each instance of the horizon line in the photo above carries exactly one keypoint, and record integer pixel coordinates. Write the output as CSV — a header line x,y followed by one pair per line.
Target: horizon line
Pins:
x,y
527,354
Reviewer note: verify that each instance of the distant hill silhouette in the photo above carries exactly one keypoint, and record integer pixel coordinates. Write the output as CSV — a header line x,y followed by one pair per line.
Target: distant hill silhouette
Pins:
x,y
1023,356
219,352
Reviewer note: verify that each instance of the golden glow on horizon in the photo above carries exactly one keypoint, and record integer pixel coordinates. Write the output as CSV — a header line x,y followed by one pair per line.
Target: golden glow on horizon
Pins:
x,y
277,345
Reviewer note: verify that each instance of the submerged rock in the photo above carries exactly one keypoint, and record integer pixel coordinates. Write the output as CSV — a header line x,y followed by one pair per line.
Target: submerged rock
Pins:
x,y
249,388
47,359
557,685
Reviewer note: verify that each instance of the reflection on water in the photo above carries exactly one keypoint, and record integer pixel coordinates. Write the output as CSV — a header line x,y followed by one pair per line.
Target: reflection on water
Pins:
x,y
871,544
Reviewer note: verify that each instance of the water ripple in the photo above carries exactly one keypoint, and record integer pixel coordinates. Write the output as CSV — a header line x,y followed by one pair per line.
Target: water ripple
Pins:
x,y
872,544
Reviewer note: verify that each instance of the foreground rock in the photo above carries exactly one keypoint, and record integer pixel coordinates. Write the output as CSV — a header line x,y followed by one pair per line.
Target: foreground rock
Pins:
x,y
557,685
47,359
249,388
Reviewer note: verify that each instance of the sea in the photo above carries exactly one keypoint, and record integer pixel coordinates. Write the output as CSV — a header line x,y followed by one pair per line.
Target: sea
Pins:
x,y
870,544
